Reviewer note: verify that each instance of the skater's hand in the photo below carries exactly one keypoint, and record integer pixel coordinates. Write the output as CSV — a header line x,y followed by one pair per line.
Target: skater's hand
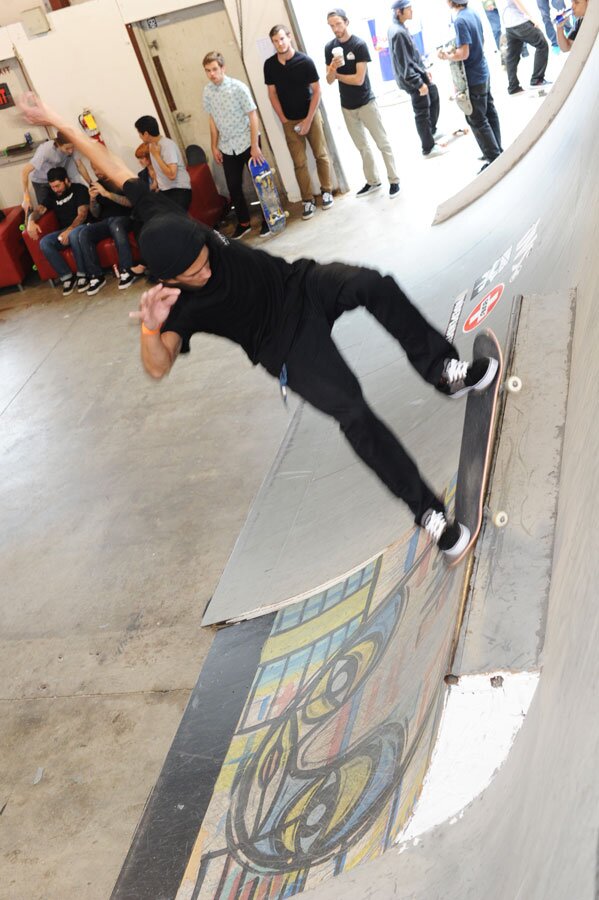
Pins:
x,y
423,90
442,54
305,128
257,156
155,306
36,112
218,157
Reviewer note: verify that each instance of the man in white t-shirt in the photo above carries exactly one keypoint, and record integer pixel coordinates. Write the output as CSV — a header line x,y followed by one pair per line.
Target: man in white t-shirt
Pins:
x,y
167,162
520,29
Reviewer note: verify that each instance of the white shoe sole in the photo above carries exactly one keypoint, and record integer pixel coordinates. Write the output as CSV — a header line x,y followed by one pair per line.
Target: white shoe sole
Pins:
x,y
460,545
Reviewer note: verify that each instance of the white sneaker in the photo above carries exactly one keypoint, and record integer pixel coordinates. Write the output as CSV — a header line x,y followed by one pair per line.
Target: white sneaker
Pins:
x,y
452,539
327,199
437,150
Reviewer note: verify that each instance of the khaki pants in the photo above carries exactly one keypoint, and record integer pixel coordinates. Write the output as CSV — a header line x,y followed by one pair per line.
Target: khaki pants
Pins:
x,y
297,149
360,120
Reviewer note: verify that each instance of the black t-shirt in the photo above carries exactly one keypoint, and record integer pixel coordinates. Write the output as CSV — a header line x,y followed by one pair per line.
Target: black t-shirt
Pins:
x,y
110,208
292,82
66,206
251,298
355,50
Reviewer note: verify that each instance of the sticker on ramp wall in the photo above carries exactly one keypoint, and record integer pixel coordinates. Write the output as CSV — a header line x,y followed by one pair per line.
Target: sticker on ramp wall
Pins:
x,y
482,309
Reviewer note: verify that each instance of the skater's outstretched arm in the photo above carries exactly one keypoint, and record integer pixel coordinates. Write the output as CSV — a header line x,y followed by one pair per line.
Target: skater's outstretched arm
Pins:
x,y
36,112
158,350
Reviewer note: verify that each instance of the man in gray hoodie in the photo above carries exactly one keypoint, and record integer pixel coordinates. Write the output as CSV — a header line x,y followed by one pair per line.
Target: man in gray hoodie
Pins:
x,y
412,77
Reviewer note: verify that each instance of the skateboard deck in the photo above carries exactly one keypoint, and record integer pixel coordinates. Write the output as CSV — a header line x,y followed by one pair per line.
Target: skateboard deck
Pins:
x,y
268,195
477,445
446,138
460,82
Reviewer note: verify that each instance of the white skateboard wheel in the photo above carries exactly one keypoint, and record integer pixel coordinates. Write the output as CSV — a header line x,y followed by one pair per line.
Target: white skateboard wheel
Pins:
x,y
500,519
514,384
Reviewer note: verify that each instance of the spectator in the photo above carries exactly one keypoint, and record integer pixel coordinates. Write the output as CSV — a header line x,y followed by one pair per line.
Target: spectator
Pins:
x,y
483,119
521,30
547,23
70,202
234,132
49,155
347,59
565,40
167,161
412,77
494,19
294,91
146,174
112,214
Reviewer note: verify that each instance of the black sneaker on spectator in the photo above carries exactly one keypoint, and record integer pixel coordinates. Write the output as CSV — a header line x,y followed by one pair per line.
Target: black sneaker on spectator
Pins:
x,y
126,279
240,231
393,191
264,230
82,283
368,189
68,286
309,209
327,199
541,82
95,285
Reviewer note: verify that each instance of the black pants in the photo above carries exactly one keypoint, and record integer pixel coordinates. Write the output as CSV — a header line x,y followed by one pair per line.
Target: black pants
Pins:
x,y
318,373
516,38
426,114
234,167
484,121
180,196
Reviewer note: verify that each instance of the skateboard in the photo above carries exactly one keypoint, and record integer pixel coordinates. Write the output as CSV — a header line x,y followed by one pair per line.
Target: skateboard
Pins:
x,y
460,83
268,195
477,445
445,139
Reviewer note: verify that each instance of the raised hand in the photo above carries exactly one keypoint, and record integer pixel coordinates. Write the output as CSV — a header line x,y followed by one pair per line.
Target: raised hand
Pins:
x,y
155,305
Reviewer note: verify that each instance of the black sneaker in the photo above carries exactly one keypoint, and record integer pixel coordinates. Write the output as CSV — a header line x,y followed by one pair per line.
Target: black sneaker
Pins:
x,y
327,200
309,209
265,230
95,285
518,90
126,279
68,286
368,189
393,191
82,283
460,377
240,231
450,537
541,82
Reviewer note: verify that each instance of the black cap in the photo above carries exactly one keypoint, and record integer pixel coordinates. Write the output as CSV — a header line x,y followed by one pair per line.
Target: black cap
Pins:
x,y
338,12
170,243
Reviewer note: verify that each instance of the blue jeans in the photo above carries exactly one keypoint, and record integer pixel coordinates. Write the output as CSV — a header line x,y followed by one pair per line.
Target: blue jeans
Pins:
x,y
51,248
116,227
495,23
546,14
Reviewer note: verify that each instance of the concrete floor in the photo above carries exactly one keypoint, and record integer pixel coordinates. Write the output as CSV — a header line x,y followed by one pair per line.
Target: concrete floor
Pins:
x,y
121,502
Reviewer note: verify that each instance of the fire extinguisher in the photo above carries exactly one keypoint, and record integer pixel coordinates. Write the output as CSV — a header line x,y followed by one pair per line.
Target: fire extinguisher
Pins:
x,y
90,126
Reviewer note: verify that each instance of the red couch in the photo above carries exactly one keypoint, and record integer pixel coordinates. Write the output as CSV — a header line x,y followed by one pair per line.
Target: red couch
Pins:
x,y
107,255
207,205
15,261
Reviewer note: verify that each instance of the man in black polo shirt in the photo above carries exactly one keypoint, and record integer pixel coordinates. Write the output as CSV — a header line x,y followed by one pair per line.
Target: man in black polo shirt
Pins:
x,y
294,91
70,203
347,59
282,314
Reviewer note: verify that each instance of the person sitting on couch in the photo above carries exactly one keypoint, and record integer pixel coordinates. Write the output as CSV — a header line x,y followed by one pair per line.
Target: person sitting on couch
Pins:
x,y
70,203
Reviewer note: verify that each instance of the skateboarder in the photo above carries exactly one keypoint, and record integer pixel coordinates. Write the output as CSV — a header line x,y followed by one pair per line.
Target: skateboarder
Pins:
x,y
281,314
412,77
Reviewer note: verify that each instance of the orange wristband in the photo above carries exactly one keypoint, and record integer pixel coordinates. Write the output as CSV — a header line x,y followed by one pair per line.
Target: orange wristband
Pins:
x,y
146,330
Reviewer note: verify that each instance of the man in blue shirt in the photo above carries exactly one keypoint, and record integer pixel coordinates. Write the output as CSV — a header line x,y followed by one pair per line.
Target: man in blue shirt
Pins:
x,y
483,120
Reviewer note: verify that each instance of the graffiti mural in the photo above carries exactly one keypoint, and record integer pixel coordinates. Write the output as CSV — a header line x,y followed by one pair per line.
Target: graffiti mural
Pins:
x,y
330,752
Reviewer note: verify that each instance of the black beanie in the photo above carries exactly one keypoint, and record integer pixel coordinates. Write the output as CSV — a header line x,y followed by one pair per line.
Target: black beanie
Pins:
x,y
170,243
